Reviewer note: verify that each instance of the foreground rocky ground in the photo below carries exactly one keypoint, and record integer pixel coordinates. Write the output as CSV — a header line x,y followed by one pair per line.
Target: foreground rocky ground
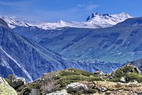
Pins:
x,y
101,88
126,80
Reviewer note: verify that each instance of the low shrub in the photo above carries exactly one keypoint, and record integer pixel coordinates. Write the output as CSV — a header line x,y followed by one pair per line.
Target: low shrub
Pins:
x,y
133,76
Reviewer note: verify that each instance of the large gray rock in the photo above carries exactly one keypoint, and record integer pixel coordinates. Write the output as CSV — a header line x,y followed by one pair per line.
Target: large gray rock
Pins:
x,y
62,92
34,92
76,87
102,89
5,88
122,79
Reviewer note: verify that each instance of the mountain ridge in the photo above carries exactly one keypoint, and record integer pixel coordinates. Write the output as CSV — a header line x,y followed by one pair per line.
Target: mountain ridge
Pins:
x,y
96,21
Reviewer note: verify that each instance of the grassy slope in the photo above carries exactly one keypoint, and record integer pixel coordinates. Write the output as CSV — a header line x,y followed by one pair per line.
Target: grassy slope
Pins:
x,y
59,80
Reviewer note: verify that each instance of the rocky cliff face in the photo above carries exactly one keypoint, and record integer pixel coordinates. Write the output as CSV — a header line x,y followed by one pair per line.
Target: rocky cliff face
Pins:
x,y
137,63
107,20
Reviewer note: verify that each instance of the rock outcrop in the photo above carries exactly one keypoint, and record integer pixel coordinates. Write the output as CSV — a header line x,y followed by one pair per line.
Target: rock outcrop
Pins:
x,y
76,87
5,88
61,92
106,88
77,82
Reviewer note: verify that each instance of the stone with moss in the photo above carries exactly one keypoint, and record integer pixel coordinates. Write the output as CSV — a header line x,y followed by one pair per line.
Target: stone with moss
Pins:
x,y
5,88
129,72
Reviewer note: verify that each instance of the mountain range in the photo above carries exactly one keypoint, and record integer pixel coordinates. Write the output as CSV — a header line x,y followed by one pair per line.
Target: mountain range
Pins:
x,y
119,44
23,57
112,40
96,20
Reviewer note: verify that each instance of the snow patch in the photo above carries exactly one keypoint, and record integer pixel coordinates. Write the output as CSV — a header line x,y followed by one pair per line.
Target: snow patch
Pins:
x,y
13,23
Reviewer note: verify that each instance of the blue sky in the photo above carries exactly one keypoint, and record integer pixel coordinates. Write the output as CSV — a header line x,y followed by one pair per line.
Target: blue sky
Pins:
x,y
76,10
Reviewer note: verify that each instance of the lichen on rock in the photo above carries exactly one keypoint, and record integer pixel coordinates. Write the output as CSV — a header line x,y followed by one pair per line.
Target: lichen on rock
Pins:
x,y
5,88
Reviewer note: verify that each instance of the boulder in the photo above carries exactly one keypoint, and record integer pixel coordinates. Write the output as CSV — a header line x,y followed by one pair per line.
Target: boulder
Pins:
x,y
34,92
5,88
102,89
122,79
17,82
76,87
62,92
133,82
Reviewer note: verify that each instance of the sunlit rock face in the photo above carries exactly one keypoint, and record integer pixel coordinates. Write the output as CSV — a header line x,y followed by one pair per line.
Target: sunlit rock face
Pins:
x,y
5,88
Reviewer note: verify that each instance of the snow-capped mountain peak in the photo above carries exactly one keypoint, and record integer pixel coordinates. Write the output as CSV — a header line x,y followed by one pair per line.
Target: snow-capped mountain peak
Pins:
x,y
106,20
122,15
60,24
96,20
12,23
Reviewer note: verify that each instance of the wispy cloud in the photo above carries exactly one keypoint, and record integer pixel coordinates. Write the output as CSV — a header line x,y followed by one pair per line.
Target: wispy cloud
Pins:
x,y
91,7
85,7
14,4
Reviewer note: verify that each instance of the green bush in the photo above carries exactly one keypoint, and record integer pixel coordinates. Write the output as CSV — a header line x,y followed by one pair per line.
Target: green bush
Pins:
x,y
35,85
26,89
130,73
122,72
57,77
13,82
133,76
119,73
114,79
80,72
10,79
94,79
65,73
64,81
